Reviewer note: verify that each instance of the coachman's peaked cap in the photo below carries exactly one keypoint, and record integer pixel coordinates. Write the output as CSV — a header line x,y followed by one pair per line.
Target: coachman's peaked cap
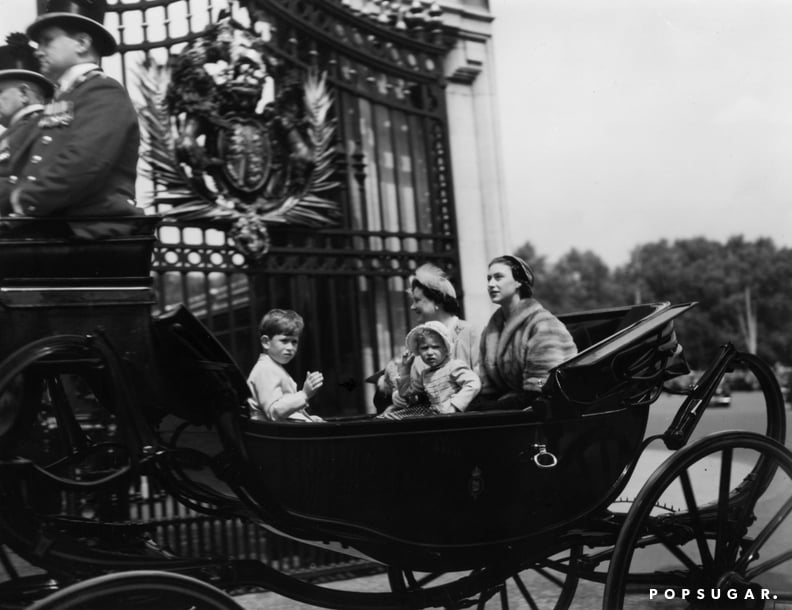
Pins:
x,y
83,15
18,62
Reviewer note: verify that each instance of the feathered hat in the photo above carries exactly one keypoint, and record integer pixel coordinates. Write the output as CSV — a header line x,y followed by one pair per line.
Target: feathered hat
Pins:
x,y
18,62
435,278
83,15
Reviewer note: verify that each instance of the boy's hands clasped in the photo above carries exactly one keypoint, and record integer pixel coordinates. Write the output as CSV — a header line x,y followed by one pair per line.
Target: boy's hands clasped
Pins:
x,y
313,381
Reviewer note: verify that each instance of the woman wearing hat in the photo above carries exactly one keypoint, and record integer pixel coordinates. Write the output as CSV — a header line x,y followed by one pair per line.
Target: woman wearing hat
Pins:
x,y
522,341
433,300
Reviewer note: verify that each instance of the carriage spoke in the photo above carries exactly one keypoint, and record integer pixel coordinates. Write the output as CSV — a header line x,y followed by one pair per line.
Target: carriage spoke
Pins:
x,y
504,597
693,511
69,428
8,566
772,525
524,591
553,579
747,505
721,542
768,565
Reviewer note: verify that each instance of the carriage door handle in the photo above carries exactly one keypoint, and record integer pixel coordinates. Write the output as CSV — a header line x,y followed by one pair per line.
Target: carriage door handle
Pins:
x,y
543,458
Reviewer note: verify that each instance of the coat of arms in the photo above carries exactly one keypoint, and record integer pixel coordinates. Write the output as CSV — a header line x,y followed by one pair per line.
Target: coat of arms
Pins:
x,y
228,134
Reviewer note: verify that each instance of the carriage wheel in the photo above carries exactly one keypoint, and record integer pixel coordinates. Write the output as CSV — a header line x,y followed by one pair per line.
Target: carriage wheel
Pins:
x,y
720,535
767,417
139,590
548,584
64,395
774,424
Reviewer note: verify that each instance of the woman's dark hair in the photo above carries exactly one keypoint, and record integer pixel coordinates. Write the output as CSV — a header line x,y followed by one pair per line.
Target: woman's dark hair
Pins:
x,y
447,302
520,272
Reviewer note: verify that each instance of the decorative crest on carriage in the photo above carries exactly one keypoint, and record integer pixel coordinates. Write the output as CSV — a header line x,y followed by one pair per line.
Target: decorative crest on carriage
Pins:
x,y
230,135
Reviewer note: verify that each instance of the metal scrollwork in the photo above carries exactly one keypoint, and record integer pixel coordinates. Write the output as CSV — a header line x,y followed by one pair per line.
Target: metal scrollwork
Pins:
x,y
218,148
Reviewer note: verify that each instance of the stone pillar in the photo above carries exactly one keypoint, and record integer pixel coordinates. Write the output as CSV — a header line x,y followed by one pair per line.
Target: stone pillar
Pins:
x,y
482,218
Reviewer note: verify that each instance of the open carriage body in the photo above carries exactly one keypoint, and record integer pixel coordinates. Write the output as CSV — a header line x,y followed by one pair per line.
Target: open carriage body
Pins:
x,y
487,492
450,492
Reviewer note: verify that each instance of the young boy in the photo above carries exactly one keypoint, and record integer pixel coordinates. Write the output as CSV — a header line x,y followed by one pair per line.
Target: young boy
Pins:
x,y
450,385
275,394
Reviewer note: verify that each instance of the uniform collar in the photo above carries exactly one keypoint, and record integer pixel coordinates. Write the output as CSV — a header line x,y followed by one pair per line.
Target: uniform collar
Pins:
x,y
23,112
72,75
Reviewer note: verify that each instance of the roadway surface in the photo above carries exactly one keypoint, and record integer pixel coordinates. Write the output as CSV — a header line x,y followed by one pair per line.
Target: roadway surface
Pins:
x,y
745,413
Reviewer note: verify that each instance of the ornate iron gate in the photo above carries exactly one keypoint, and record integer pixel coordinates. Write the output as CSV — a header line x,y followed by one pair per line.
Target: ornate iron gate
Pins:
x,y
384,65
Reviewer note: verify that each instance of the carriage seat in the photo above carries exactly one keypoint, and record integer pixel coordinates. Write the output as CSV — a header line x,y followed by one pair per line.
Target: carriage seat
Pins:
x,y
36,249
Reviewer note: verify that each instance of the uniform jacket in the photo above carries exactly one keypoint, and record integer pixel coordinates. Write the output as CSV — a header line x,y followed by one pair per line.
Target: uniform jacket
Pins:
x,y
83,160
13,142
517,354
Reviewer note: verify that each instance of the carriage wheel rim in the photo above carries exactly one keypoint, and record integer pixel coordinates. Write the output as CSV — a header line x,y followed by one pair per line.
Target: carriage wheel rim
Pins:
x,y
663,477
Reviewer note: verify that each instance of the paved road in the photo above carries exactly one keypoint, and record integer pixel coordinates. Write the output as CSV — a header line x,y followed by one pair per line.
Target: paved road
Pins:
x,y
746,413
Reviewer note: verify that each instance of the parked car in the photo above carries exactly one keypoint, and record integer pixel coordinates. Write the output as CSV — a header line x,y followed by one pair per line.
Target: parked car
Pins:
x,y
722,396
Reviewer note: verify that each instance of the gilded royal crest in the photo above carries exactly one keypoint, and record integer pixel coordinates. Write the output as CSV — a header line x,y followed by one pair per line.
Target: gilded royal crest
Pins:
x,y
245,153
229,134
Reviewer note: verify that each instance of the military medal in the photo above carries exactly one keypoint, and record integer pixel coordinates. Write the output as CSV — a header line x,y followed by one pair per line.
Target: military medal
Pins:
x,y
59,113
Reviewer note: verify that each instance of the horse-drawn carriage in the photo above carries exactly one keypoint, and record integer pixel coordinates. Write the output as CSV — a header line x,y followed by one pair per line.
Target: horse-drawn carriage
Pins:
x,y
453,506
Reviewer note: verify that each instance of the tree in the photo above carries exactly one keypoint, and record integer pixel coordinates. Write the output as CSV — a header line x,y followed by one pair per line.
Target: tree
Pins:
x,y
578,281
742,289
738,286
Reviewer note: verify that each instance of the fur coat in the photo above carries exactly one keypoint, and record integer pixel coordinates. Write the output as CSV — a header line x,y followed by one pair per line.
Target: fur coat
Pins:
x,y
517,354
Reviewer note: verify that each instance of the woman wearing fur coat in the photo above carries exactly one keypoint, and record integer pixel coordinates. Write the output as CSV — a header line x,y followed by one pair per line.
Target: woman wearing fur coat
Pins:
x,y
522,341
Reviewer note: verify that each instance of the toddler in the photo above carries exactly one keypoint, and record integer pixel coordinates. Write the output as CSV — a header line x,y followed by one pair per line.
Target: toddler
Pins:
x,y
275,394
448,384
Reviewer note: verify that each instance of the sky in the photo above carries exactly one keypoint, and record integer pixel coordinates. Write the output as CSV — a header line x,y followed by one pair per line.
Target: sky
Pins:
x,y
628,121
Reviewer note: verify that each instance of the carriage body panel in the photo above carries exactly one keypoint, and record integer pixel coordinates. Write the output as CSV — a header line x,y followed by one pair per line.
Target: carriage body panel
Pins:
x,y
447,491
441,491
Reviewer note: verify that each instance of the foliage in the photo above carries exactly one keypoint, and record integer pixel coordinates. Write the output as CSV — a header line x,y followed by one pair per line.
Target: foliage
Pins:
x,y
578,281
742,290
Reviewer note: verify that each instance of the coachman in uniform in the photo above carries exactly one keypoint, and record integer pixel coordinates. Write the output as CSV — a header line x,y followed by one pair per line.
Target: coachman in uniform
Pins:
x,y
23,92
83,162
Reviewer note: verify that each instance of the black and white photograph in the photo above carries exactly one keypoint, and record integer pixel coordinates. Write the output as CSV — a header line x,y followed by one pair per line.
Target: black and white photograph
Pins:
x,y
395,304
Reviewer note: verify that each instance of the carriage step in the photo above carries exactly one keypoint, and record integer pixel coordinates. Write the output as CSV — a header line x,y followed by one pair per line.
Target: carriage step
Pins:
x,y
65,366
